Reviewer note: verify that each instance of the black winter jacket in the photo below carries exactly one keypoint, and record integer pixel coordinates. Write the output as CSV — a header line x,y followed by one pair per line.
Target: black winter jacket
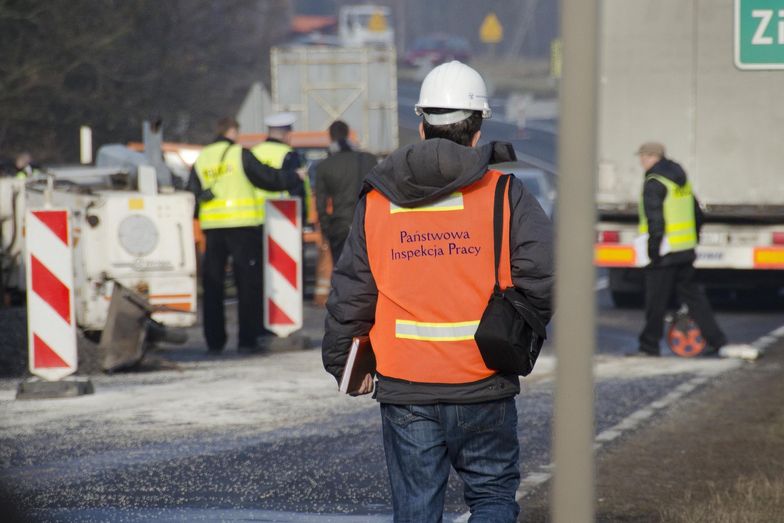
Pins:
x,y
413,176
339,178
653,195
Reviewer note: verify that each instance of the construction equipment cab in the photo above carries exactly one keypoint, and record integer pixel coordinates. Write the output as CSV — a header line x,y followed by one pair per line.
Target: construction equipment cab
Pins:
x,y
365,25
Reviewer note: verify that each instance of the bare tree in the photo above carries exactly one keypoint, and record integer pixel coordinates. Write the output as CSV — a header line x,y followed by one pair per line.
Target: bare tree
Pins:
x,y
113,63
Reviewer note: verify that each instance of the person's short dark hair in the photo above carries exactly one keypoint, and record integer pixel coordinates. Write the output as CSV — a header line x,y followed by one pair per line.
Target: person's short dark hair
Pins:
x,y
338,130
460,132
226,123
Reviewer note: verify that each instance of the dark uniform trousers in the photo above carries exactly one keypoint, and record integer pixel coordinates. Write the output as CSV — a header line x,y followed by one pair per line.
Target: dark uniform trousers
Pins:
x,y
659,284
244,245
336,243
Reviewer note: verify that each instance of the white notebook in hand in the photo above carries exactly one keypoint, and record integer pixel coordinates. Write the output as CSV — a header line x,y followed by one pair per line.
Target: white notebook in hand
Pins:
x,y
641,249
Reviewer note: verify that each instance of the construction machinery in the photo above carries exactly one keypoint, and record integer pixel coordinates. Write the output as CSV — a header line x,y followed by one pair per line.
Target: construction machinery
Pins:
x,y
127,233
365,25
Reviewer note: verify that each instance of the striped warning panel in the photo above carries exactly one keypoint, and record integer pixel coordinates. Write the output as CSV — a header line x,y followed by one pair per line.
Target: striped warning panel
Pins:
x,y
51,322
283,266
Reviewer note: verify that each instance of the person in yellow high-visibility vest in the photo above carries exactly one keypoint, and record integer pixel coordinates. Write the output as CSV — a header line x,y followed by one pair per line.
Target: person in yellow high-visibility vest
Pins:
x,y
670,214
276,151
224,180
24,165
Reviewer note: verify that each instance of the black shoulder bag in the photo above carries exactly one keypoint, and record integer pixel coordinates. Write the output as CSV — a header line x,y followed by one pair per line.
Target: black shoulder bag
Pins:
x,y
510,334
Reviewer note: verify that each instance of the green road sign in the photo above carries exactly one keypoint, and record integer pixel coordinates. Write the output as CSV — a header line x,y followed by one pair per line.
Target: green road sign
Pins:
x,y
759,34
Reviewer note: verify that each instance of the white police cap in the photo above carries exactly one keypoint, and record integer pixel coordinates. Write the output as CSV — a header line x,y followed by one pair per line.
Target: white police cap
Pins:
x,y
280,120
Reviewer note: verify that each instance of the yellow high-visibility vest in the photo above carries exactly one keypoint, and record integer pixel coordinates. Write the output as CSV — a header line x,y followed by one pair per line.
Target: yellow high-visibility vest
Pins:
x,y
680,226
235,204
273,154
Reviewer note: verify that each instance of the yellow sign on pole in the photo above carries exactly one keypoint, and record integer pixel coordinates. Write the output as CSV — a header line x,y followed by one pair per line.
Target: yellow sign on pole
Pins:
x,y
556,57
377,22
491,31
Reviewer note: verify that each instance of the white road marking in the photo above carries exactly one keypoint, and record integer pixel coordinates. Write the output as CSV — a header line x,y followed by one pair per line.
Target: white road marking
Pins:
x,y
630,422
543,474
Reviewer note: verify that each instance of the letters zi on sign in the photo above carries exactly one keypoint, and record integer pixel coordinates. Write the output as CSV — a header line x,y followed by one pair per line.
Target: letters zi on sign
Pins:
x,y
759,34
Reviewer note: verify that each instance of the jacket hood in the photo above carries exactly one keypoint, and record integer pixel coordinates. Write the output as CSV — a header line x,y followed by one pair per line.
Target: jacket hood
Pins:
x,y
670,170
426,171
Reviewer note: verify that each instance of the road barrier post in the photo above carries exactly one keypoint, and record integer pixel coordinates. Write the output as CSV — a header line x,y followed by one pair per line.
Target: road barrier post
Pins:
x,y
283,266
51,321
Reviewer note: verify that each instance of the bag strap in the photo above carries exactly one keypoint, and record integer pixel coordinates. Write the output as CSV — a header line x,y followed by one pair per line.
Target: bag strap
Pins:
x,y
498,224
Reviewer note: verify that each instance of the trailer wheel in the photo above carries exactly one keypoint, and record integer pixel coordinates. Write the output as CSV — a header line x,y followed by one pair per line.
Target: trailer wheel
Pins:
x,y
627,300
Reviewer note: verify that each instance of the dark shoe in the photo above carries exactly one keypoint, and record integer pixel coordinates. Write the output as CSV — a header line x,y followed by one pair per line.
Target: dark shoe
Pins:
x,y
214,351
710,352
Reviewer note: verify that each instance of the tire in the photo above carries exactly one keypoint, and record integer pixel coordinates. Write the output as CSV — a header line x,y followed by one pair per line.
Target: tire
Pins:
x,y
627,300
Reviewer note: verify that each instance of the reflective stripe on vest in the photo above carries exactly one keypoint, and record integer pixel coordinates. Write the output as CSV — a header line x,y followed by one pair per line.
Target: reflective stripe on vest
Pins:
x,y
414,330
453,202
433,267
679,224
219,168
272,154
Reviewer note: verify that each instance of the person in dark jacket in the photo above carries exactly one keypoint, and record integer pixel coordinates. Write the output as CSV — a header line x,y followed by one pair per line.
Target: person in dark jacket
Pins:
x,y
416,273
671,249
223,180
338,181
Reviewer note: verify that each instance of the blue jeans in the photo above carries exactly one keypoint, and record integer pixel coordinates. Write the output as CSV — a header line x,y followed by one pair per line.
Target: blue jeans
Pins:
x,y
479,440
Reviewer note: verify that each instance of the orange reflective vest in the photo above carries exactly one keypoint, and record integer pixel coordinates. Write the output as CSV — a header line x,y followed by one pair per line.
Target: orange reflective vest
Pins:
x,y
433,266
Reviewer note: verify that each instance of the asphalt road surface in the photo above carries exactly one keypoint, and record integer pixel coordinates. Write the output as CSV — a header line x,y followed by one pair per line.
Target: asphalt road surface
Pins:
x,y
268,438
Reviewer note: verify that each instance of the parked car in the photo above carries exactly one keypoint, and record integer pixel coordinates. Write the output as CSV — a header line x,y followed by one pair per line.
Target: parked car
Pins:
x,y
539,183
437,49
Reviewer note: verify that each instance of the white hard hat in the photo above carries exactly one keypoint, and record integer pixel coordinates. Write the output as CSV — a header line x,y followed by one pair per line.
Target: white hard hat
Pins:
x,y
280,120
456,86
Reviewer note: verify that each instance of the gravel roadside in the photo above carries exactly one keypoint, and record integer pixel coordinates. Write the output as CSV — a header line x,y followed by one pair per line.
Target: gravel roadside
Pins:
x,y
715,456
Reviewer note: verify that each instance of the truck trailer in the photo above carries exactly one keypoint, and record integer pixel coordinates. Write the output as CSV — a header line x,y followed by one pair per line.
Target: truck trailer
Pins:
x,y
668,74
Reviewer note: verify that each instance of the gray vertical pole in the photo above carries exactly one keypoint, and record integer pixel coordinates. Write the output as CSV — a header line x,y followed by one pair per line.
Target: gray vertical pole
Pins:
x,y
573,491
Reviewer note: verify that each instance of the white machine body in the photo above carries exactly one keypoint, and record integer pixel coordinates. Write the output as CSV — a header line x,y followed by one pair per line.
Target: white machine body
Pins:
x,y
143,241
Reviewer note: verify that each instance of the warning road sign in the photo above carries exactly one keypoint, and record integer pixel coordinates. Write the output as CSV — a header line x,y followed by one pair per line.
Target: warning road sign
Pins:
x,y
283,266
491,31
51,322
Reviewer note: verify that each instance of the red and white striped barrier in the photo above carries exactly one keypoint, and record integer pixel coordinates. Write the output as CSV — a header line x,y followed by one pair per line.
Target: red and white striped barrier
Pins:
x,y
51,322
283,266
